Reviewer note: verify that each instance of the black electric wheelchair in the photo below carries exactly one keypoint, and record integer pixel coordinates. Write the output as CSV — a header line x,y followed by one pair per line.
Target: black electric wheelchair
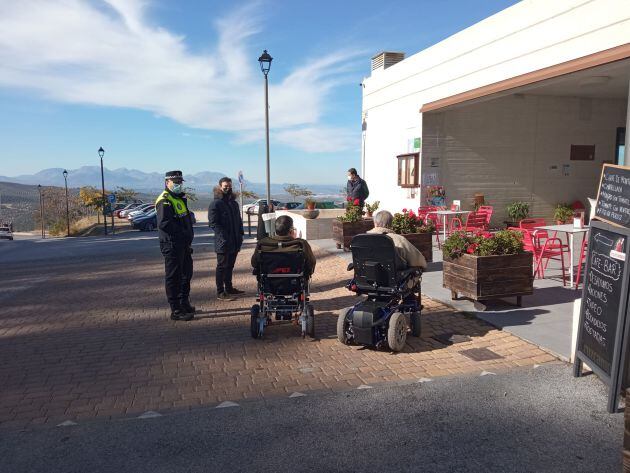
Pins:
x,y
283,292
393,296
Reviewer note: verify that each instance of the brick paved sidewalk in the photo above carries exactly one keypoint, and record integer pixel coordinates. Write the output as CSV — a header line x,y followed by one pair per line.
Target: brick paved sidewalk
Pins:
x,y
91,342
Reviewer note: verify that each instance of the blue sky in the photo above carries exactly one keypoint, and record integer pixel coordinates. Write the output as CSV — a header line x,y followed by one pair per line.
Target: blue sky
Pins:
x,y
164,83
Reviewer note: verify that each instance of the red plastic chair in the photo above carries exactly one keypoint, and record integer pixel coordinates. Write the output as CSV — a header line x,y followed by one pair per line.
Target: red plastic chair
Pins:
x,y
475,222
552,248
489,210
429,213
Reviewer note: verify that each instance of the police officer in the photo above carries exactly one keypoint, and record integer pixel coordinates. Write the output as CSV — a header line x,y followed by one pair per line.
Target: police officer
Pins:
x,y
175,230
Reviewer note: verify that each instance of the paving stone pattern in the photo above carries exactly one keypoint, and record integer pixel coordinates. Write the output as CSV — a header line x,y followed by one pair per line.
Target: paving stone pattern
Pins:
x,y
93,339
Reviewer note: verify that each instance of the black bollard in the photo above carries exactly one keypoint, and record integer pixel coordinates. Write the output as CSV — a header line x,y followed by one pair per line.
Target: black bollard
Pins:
x,y
260,231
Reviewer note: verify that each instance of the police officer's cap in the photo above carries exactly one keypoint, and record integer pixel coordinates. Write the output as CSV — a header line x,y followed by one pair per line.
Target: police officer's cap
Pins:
x,y
174,175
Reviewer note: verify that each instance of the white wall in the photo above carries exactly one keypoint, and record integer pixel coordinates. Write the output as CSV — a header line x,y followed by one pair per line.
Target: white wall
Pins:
x,y
528,36
504,149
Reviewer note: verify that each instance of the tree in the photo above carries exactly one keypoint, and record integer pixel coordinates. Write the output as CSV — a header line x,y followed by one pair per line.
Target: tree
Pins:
x,y
297,191
249,194
92,198
54,200
125,195
191,195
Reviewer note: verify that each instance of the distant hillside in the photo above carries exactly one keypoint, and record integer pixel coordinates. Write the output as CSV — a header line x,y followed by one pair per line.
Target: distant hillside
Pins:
x,y
18,203
202,182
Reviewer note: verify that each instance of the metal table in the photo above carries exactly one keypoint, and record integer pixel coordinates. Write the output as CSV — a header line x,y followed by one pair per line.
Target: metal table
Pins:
x,y
569,230
445,214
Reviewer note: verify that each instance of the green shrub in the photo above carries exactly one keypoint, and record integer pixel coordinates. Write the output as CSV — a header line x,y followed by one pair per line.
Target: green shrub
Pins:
x,y
517,211
504,242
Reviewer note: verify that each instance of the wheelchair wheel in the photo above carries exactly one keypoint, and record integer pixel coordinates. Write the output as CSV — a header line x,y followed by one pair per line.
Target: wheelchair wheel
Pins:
x,y
310,320
254,325
397,332
415,324
342,325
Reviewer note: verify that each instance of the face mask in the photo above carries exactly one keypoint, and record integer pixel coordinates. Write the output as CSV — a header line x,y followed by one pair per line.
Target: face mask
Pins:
x,y
227,191
177,188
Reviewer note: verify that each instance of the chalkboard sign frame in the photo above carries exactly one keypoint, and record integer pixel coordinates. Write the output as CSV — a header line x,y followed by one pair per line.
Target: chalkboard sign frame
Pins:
x,y
599,190
615,379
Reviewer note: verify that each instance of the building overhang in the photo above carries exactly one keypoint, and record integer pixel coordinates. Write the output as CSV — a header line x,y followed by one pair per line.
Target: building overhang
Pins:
x,y
608,56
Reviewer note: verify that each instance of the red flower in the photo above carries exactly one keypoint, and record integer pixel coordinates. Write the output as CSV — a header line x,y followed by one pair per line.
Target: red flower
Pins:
x,y
487,235
349,199
404,211
356,201
411,214
471,248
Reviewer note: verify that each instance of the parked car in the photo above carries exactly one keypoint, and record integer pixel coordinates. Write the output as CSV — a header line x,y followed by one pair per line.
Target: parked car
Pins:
x,y
124,213
253,207
144,208
6,232
291,205
120,213
146,222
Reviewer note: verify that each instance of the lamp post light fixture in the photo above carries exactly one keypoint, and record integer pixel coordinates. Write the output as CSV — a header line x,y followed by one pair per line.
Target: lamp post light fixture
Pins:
x,y
101,153
65,178
265,64
41,209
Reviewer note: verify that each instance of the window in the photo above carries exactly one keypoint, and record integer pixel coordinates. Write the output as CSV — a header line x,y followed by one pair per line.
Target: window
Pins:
x,y
408,171
619,147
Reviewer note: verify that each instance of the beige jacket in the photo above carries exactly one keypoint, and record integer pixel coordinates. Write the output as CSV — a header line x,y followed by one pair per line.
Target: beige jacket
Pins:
x,y
406,251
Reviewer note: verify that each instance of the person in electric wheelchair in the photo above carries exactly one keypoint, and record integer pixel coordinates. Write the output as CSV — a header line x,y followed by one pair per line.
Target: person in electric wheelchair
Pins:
x,y
388,270
283,265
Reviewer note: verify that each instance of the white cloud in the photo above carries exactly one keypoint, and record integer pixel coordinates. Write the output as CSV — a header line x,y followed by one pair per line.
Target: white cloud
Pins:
x,y
108,53
322,139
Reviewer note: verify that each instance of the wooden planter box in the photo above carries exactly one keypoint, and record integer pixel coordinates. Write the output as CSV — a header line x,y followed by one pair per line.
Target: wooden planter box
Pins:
x,y
344,231
424,243
482,278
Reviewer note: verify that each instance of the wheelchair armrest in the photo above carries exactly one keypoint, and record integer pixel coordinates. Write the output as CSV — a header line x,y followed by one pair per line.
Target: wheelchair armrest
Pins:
x,y
417,271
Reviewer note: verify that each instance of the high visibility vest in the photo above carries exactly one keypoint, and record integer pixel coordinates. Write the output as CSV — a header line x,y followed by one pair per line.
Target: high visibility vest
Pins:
x,y
178,204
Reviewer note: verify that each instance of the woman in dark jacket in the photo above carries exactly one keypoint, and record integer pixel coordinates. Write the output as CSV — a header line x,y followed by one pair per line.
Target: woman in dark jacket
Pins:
x,y
224,217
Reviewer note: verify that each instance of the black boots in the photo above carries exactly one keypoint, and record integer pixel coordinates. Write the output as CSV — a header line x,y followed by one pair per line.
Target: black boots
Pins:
x,y
179,314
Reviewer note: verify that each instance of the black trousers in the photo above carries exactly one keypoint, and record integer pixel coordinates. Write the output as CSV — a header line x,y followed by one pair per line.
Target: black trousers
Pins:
x,y
225,267
178,266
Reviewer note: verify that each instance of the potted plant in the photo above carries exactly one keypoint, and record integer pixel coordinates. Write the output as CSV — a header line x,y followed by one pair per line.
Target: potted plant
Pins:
x,y
487,266
311,211
371,208
309,203
352,223
516,212
563,213
416,230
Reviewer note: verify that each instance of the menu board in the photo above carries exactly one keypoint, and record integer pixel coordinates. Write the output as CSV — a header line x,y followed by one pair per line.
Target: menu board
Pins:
x,y
613,197
603,291
604,327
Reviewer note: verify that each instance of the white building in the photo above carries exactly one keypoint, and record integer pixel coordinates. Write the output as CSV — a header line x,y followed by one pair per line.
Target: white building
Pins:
x,y
525,105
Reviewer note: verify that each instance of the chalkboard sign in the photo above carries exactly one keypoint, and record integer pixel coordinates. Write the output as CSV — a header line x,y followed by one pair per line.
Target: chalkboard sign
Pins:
x,y
604,303
613,197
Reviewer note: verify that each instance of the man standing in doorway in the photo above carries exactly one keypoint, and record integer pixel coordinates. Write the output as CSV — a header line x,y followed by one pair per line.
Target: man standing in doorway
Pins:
x,y
175,230
357,188
224,217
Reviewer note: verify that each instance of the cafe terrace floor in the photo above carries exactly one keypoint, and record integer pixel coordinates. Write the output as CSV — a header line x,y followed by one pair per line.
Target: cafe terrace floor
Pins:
x,y
545,318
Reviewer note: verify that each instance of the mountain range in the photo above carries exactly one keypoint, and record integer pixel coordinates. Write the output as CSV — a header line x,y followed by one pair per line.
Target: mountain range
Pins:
x,y
146,181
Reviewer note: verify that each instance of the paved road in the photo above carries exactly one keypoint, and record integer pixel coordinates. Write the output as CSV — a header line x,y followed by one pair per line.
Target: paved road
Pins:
x,y
528,420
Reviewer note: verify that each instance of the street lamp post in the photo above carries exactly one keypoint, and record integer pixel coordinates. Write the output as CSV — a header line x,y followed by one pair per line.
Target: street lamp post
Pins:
x,y
65,178
41,209
265,64
101,153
